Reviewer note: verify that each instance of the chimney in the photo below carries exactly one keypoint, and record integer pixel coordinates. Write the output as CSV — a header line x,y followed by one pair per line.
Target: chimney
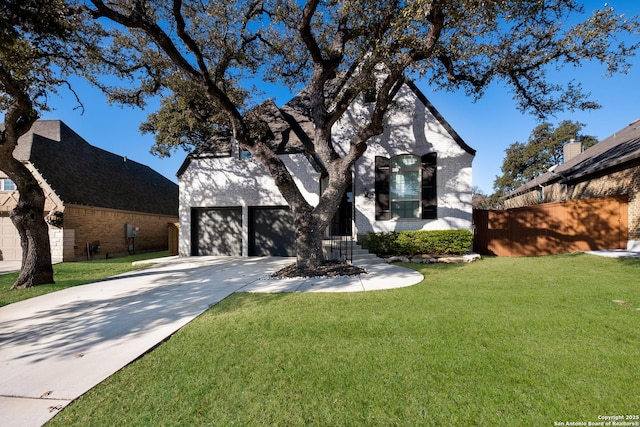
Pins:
x,y
571,150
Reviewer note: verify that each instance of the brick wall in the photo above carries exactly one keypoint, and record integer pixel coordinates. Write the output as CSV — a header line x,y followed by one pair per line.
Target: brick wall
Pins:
x,y
622,182
84,225
108,227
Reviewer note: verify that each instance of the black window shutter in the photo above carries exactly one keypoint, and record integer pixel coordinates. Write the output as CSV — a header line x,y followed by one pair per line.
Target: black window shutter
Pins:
x,y
429,189
382,172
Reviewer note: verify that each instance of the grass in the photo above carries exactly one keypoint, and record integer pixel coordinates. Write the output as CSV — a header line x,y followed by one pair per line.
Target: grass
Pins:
x,y
68,274
503,341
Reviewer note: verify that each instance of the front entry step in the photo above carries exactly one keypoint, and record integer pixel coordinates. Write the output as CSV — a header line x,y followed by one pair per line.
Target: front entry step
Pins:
x,y
347,250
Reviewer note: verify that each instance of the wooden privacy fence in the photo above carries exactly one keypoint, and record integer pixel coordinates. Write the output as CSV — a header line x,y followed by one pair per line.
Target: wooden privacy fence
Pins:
x,y
173,230
553,228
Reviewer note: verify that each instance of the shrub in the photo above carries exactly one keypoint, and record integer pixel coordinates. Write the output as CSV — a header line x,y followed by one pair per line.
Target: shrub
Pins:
x,y
380,243
410,243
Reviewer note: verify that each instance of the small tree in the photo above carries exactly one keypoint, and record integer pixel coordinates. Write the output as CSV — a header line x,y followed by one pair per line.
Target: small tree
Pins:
x,y
480,200
339,50
37,51
524,162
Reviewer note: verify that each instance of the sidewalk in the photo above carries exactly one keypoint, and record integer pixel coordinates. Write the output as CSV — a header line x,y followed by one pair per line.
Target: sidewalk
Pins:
x,y
615,253
10,266
56,347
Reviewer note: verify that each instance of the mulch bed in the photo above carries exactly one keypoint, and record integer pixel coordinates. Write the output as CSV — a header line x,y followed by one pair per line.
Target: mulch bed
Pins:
x,y
328,269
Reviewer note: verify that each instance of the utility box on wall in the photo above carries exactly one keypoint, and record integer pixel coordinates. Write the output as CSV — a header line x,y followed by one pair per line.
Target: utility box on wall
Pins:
x,y
130,234
129,231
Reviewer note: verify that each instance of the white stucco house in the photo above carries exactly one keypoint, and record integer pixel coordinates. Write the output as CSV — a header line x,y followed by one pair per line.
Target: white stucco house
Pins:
x,y
415,176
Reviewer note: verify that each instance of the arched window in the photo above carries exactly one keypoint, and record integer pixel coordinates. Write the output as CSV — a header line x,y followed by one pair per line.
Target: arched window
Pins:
x,y
406,187
7,185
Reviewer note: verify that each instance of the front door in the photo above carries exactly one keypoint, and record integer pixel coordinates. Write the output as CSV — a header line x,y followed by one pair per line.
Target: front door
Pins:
x,y
342,223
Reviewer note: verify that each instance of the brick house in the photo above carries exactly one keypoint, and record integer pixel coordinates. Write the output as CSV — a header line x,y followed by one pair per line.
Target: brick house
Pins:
x,y
609,168
110,205
415,176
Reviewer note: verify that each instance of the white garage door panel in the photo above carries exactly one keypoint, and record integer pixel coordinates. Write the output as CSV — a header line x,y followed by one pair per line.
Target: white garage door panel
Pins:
x,y
10,249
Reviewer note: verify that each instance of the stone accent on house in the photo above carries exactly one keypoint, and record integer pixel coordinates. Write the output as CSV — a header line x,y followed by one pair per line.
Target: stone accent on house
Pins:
x,y
56,240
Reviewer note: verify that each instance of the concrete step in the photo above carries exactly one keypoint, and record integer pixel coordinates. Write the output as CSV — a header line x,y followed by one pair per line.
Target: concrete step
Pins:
x,y
350,249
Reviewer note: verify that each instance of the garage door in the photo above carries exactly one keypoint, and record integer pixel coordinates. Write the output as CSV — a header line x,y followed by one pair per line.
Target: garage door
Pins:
x,y
10,249
216,231
271,231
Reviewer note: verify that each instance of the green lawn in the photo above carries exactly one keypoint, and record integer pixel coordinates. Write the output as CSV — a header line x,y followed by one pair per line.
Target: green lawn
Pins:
x,y
500,342
69,274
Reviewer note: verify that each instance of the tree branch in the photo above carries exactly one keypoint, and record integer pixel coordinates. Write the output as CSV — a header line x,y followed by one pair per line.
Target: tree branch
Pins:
x,y
20,116
304,28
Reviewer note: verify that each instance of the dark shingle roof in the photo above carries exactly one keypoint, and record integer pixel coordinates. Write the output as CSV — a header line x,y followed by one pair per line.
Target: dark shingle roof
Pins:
x,y
280,131
82,174
619,148
613,152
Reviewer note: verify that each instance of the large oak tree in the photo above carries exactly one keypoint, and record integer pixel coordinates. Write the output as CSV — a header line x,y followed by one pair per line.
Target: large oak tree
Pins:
x,y
337,50
35,57
545,148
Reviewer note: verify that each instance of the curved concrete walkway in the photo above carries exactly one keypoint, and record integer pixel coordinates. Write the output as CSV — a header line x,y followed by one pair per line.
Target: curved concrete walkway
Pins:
x,y
55,347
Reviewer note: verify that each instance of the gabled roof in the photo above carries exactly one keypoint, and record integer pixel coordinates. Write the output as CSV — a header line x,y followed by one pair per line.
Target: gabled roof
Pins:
x,y
421,96
613,152
282,134
82,174
299,110
291,127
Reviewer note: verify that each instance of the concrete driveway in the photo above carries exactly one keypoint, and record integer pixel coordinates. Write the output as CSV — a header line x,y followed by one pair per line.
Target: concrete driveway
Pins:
x,y
55,347
9,266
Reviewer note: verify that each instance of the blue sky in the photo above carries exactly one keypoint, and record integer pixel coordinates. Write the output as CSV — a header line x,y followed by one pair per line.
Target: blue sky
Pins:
x,y
489,125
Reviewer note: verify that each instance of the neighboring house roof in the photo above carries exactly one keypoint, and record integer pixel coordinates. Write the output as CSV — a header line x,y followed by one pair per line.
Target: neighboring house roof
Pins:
x,y
613,152
82,174
291,127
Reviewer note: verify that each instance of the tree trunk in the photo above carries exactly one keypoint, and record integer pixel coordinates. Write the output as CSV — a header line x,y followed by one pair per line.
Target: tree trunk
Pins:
x,y
28,218
309,232
28,215
312,222
36,249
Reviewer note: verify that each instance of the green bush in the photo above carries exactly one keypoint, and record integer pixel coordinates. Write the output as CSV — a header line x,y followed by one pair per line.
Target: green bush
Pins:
x,y
410,243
